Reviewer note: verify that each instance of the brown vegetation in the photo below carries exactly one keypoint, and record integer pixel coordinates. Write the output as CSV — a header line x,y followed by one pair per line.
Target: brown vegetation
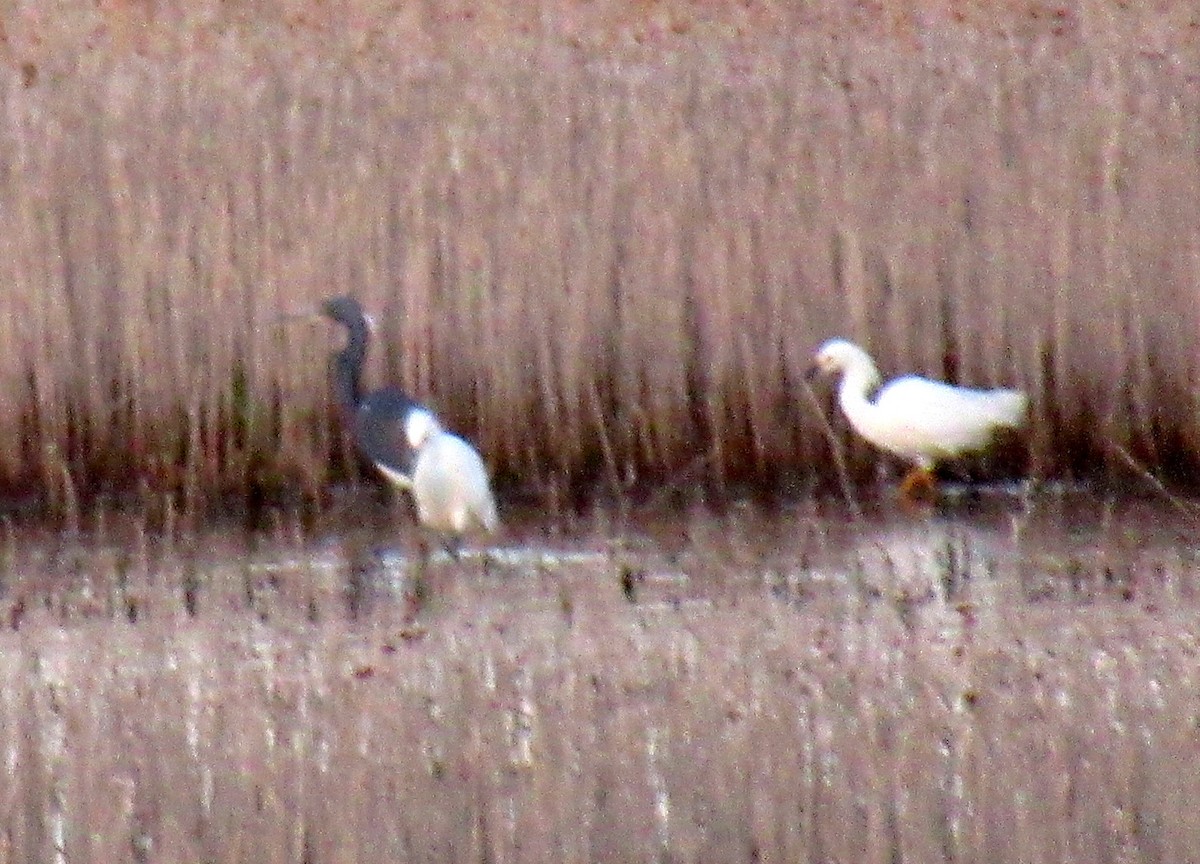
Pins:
x,y
603,247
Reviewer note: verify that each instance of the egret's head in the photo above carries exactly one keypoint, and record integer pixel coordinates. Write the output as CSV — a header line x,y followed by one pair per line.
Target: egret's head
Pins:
x,y
839,355
419,426
836,354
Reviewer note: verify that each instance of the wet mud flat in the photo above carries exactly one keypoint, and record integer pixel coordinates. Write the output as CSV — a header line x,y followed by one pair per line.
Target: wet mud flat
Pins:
x,y
1007,679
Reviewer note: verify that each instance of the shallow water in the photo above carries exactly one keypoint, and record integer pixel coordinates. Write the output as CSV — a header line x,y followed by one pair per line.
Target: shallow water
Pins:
x,y
988,546
1002,679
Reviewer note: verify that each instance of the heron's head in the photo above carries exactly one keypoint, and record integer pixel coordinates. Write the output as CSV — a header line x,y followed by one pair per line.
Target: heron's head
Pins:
x,y
419,426
344,310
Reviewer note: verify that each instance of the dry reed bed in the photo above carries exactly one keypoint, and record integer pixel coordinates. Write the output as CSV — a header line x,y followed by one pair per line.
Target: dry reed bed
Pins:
x,y
600,267
540,716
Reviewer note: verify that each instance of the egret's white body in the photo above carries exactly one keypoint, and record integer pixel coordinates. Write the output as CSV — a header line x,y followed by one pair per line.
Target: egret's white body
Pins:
x,y
449,481
918,419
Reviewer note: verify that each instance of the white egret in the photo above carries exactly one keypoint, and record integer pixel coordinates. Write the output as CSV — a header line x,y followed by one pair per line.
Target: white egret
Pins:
x,y
918,419
449,482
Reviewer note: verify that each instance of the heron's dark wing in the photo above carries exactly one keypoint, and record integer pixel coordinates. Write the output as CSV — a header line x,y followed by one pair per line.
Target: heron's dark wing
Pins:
x,y
379,426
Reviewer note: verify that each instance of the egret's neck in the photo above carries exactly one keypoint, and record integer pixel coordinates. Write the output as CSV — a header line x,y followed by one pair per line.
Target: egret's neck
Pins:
x,y
859,382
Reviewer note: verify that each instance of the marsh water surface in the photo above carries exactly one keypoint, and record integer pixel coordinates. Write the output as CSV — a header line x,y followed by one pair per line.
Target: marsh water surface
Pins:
x,y
1010,677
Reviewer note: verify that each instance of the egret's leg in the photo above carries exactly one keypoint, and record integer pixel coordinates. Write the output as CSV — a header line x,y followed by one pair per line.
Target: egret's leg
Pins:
x,y
919,485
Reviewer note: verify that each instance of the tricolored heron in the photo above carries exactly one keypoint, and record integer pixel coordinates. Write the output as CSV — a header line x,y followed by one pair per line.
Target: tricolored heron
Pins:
x,y
406,442
379,418
918,419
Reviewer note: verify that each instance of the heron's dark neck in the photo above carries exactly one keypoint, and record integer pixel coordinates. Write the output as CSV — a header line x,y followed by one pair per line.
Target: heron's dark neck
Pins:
x,y
346,369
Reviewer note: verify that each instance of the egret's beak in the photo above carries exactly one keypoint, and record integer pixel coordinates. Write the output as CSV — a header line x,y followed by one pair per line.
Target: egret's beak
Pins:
x,y
812,372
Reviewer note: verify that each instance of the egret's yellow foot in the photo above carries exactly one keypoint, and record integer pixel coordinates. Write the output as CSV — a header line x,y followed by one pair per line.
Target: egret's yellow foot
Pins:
x,y
919,486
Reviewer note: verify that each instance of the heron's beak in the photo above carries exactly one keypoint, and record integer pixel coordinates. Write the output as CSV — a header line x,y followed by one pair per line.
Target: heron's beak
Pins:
x,y
278,325
288,317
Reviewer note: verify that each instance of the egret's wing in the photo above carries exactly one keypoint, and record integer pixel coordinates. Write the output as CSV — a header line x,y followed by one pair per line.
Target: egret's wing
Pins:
x,y
948,419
